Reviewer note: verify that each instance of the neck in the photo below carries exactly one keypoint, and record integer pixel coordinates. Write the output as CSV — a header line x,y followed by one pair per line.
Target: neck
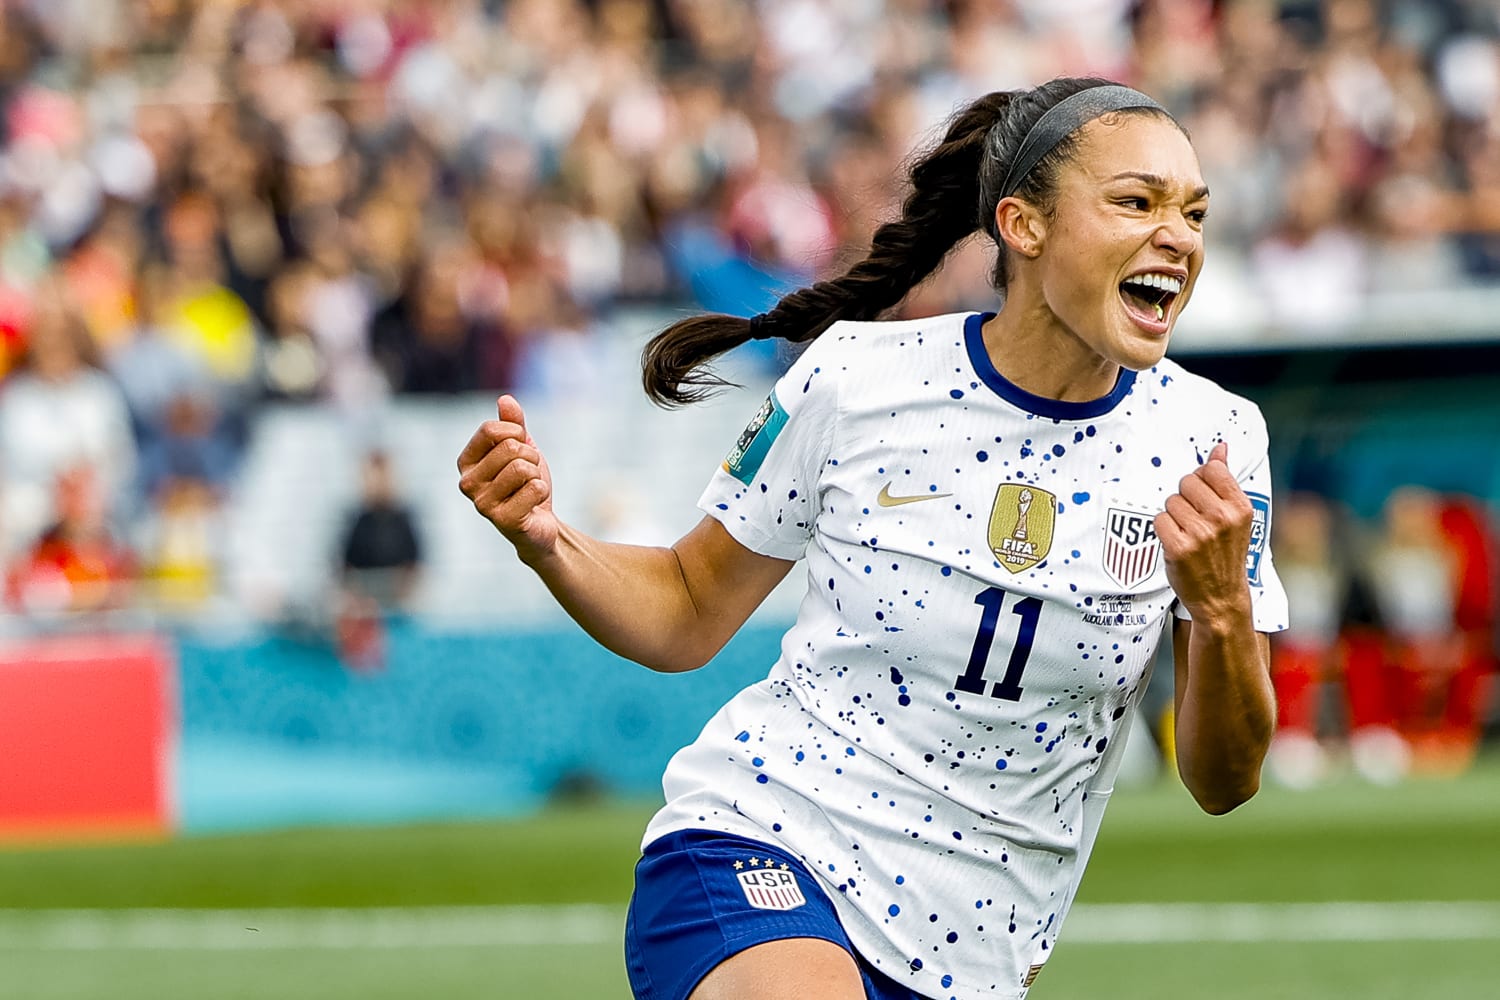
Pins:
x,y
1035,350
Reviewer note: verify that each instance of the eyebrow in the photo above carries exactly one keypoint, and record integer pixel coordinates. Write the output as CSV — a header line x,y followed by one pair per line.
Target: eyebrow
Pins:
x,y
1159,183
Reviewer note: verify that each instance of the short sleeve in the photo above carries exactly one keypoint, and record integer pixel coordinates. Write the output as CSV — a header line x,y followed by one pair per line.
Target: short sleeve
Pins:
x,y
1249,454
766,491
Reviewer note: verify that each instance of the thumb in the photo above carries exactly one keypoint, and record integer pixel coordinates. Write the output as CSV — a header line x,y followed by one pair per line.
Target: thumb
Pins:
x,y
510,410
1220,453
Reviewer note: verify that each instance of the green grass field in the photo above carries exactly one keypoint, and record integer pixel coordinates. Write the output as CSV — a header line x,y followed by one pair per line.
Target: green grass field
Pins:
x,y
503,909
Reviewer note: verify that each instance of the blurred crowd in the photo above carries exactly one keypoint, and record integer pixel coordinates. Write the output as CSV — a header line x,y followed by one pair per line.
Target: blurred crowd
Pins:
x,y
208,205
1390,663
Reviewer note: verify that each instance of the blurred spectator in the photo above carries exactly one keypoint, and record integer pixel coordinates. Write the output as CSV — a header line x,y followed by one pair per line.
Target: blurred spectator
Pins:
x,y
174,402
337,306
773,214
429,342
1479,237
1313,238
57,411
381,553
197,309
99,276
187,443
291,367
76,565
1425,689
1376,750
181,543
1413,213
380,561
1471,540
1302,657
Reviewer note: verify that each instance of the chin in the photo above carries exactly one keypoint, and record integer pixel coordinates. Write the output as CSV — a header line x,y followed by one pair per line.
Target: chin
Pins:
x,y
1140,360
1139,353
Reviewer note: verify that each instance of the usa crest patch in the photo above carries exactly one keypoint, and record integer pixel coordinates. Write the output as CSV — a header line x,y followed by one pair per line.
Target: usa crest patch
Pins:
x,y
1131,548
771,889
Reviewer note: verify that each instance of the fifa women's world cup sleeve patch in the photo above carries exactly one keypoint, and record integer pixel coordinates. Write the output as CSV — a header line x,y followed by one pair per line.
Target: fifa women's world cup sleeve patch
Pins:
x,y
745,458
1260,533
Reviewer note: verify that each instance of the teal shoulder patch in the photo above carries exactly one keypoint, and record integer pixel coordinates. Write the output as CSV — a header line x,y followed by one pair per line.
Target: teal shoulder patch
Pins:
x,y
749,451
1260,533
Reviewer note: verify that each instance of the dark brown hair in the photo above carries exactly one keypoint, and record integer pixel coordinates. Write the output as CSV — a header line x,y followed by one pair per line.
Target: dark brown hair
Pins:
x,y
954,192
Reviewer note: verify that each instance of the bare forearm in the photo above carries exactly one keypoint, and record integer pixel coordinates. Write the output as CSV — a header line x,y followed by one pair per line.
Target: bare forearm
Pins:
x,y
1226,711
633,599
670,609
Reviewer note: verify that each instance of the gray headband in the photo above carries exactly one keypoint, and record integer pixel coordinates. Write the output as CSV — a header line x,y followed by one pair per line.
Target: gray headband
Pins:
x,y
1062,120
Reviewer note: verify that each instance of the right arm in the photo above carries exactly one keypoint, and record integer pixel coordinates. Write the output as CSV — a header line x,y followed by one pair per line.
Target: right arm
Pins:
x,y
668,608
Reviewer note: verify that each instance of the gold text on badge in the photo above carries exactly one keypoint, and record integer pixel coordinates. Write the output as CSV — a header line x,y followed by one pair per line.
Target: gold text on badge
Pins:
x,y
1021,525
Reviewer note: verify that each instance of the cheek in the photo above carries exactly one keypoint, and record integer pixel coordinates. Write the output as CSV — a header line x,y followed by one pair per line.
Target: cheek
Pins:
x,y
1086,266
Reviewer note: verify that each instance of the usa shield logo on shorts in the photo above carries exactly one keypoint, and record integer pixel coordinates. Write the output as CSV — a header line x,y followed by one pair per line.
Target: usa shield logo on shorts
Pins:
x,y
1131,548
769,889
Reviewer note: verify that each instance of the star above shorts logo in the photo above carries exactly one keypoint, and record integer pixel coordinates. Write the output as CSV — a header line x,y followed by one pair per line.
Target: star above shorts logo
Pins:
x,y
885,499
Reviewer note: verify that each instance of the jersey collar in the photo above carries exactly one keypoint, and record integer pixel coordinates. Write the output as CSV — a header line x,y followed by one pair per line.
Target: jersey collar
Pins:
x,y
1031,403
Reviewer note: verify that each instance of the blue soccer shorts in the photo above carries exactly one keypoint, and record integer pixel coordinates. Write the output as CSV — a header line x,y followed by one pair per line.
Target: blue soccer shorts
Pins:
x,y
702,896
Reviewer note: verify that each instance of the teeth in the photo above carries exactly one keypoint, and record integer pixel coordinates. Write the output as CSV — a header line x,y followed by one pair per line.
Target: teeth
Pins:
x,y
1163,282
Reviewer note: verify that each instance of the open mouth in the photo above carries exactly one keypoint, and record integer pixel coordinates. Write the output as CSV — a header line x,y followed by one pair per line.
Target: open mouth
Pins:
x,y
1149,297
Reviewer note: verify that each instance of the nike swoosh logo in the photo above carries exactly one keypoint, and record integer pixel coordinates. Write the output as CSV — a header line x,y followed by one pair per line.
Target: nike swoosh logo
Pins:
x,y
886,500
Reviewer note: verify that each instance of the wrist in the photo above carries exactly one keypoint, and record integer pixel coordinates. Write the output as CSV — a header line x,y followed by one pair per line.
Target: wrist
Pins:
x,y
1225,615
534,558
540,556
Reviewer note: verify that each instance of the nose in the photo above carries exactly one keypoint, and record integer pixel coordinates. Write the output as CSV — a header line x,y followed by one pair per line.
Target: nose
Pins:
x,y
1175,236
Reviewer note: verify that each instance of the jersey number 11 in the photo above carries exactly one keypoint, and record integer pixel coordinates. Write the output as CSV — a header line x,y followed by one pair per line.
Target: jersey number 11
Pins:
x,y
1008,688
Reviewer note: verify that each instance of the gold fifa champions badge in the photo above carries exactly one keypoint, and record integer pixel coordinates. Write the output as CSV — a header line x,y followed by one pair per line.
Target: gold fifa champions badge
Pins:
x,y
1021,525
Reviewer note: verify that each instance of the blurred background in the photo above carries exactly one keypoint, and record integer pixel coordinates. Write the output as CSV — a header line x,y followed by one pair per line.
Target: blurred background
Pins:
x,y
265,265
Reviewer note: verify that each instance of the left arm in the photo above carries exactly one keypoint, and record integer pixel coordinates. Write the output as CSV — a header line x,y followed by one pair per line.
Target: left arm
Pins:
x,y
1225,706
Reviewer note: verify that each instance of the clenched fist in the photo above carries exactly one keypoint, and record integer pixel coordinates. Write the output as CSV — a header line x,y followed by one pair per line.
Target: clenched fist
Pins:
x,y
503,473
1205,534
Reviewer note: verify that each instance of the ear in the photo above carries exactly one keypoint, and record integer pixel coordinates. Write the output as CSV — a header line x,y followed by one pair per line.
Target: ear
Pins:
x,y
1021,226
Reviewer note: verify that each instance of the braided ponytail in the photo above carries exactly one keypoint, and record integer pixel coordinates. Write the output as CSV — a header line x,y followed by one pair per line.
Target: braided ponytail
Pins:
x,y
939,213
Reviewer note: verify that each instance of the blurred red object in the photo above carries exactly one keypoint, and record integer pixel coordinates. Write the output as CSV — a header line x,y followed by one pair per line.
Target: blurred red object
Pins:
x,y
87,727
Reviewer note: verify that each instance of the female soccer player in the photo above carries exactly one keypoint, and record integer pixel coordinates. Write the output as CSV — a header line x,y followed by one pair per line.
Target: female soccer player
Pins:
x,y
998,513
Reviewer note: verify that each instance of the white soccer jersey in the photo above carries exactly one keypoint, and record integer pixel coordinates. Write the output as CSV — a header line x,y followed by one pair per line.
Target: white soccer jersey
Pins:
x,y
939,737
